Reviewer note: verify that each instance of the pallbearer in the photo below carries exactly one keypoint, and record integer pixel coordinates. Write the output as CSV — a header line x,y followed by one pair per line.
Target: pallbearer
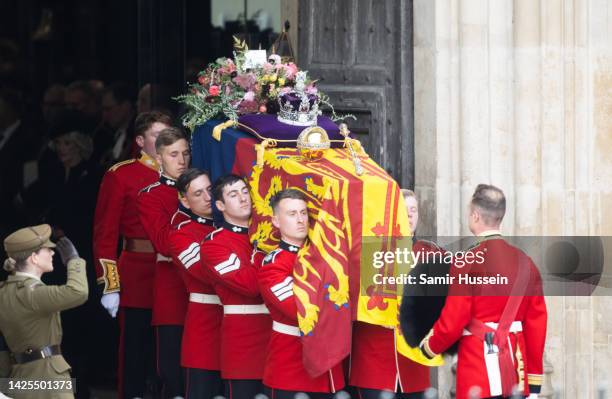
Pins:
x,y
126,280
229,261
284,374
157,206
375,364
200,354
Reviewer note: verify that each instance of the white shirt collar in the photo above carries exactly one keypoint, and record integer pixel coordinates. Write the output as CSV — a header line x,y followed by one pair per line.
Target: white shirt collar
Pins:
x,y
489,233
25,274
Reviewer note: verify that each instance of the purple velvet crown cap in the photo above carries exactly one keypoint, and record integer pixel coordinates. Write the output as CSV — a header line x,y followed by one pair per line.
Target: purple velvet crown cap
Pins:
x,y
295,99
268,126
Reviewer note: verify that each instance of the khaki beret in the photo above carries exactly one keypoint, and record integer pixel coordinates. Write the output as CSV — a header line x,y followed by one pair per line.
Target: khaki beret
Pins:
x,y
28,240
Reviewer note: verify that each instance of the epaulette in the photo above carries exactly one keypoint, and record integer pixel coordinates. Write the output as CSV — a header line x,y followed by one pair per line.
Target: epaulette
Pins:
x,y
271,257
211,235
184,222
120,164
150,187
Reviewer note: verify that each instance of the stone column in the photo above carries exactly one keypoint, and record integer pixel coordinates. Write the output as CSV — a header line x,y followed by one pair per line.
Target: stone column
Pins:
x,y
519,94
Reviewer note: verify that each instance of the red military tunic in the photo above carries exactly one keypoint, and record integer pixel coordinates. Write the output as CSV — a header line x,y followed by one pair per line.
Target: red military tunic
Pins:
x,y
157,208
527,335
284,366
117,217
228,261
375,362
200,347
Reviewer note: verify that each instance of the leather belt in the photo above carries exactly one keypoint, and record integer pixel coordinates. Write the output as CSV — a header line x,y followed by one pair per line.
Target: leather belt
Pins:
x,y
515,327
162,258
285,329
34,354
245,309
204,298
138,245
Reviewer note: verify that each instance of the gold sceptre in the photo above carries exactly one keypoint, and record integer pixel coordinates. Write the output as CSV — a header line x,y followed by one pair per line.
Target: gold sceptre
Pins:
x,y
348,142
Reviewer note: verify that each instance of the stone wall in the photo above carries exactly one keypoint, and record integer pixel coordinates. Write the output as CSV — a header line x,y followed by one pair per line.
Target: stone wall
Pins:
x,y
519,94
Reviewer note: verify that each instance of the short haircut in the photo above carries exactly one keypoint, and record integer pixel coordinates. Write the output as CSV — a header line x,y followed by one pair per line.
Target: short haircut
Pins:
x,y
491,203
408,193
185,179
145,120
121,92
221,183
168,136
289,193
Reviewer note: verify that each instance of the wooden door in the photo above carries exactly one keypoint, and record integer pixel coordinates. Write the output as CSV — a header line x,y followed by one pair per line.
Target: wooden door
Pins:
x,y
362,52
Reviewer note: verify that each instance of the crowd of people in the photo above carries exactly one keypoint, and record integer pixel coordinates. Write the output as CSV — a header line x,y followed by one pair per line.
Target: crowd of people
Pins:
x,y
53,157
200,312
62,147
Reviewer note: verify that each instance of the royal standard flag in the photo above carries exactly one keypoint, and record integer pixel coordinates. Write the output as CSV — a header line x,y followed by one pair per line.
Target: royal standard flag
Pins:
x,y
333,283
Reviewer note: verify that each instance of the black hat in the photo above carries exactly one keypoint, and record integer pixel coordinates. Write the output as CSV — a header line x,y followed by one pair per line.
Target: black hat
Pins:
x,y
70,121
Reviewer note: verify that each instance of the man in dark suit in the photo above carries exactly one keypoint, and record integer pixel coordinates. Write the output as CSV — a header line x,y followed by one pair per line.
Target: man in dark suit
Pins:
x,y
116,141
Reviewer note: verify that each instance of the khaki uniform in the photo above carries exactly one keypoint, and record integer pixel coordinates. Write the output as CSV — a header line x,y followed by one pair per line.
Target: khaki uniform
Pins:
x,y
30,319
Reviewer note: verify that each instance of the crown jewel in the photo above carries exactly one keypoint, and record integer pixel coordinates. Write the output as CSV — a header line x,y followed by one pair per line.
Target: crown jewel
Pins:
x,y
297,107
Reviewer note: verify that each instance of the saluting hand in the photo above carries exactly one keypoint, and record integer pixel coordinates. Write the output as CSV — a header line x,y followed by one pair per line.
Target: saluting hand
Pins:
x,y
66,249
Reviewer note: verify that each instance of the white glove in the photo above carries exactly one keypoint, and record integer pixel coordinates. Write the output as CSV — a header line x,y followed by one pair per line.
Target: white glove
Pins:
x,y
66,249
111,303
533,396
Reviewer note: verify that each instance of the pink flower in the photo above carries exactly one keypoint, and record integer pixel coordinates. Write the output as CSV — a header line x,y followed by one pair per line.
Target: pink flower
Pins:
x,y
290,70
268,68
227,68
284,90
213,90
249,96
246,81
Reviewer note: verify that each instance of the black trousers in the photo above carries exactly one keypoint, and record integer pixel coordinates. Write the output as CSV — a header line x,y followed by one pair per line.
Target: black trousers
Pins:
x,y
136,352
364,393
169,370
273,393
203,384
242,389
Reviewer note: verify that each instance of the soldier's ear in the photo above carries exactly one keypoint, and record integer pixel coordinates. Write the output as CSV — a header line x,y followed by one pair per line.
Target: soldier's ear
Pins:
x,y
183,200
140,141
34,258
475,215
220,205
275,221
